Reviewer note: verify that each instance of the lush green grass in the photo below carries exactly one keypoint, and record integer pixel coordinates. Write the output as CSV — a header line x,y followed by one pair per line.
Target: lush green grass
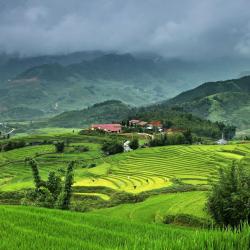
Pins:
x,y
155,208
36,228
51,131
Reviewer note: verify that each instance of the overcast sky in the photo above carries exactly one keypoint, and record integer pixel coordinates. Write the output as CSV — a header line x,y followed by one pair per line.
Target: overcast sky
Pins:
x,y
198,29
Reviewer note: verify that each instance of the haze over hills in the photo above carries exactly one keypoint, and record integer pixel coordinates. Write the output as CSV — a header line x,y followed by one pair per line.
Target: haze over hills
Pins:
x,y
47,85
227,101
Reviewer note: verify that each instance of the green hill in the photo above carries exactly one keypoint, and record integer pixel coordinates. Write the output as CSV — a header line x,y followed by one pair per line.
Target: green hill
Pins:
x,y
53,84
116,111
227,101
105,112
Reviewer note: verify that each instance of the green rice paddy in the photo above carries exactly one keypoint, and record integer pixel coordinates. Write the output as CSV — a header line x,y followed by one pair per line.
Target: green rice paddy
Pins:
x,y
36,228
154,168
134,172
98,177
155,208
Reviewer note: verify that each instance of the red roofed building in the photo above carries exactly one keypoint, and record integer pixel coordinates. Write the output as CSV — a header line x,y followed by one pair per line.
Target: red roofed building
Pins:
x,y
111,128
157,124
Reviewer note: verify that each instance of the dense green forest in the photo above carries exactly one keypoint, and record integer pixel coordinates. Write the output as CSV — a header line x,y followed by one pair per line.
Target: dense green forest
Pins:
x,y
227,101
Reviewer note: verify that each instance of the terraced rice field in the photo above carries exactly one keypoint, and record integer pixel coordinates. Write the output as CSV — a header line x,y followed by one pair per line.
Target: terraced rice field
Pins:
x,y
134,172
154,168
155,208
16,175
35,228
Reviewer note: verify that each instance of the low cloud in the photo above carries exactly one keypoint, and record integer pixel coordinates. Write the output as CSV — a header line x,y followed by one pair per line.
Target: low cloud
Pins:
x,y
198,29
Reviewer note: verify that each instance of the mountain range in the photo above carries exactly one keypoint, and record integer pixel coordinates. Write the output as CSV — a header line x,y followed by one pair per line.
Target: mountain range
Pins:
x,y
45,86
226,101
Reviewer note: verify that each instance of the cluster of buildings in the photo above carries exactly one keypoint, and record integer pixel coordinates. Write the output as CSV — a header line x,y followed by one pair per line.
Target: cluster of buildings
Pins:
x,y
110,128
147,125
117,128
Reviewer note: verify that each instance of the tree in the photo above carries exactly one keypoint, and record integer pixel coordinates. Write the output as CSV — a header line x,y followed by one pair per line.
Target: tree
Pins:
x,y
35,173
63,200
112,147
134,144
54,184
60,145
229,200
50,193
188,136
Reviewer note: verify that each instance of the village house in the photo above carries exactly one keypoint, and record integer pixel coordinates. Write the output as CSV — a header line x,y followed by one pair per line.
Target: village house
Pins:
x,y
137,123
142,124
155,124
110,128
134,122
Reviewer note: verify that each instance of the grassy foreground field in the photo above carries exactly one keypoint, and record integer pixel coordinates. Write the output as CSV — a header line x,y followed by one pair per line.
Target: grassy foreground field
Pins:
x,y
37,228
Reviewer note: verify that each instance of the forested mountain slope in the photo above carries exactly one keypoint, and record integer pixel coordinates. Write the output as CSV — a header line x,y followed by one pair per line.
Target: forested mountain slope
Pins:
x,y
227,101
44,86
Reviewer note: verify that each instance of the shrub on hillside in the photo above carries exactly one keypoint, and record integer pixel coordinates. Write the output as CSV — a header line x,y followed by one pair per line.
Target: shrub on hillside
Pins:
x,y
81,149
172,139
134,144
188,136
59,146
229,200
187,220
112,147
10,145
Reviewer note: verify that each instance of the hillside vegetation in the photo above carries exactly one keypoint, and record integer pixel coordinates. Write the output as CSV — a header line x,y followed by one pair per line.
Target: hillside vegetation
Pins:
x,y
43,86
227,101
116,111
53,85
106,112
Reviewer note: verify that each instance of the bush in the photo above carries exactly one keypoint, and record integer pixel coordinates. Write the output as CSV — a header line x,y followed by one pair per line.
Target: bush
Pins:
x,y
163,140
81,149
60,145
12,145
112,147
187,220
92,165
229,200
134,144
